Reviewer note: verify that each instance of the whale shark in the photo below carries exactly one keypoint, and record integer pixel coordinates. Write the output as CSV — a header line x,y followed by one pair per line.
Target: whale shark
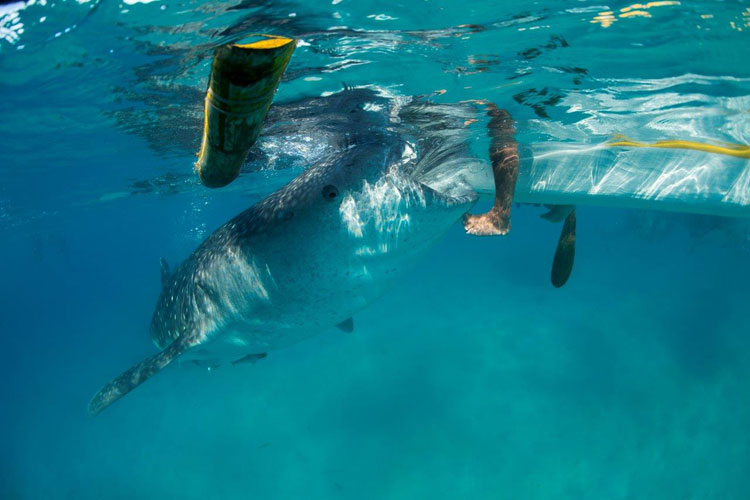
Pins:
x,y
305,258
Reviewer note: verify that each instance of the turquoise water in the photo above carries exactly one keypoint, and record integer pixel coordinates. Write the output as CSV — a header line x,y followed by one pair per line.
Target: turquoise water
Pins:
x,y
473,377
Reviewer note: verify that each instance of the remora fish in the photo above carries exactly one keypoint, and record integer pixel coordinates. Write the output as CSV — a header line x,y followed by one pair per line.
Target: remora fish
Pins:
x,y
305,258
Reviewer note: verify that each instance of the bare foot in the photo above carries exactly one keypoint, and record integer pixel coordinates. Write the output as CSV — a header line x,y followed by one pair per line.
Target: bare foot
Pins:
x,y
491,223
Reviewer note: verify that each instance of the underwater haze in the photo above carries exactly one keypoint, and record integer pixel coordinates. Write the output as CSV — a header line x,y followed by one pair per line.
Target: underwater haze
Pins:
x,y
472,377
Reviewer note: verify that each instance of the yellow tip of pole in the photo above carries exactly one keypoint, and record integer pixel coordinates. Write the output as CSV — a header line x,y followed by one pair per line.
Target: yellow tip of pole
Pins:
x,y
270,43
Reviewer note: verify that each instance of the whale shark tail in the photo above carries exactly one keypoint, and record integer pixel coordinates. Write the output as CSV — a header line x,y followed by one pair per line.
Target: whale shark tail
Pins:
x,y
135,376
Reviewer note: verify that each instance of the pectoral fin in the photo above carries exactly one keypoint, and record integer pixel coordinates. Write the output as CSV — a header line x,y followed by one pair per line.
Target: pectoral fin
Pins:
x,y
138,374
562,264
165,273
250,358
347,325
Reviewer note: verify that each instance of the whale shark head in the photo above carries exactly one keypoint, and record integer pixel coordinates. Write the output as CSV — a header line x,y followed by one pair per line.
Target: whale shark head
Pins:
x,y
362,202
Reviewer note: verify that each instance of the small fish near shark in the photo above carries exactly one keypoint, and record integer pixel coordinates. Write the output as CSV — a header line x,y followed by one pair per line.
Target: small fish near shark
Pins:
x,y
313,253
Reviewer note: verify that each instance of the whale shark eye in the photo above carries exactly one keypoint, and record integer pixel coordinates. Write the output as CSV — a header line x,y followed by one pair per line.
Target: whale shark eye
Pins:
x,y
330,192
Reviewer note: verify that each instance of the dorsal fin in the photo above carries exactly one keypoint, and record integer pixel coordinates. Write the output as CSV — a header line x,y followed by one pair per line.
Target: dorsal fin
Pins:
x,y
165,274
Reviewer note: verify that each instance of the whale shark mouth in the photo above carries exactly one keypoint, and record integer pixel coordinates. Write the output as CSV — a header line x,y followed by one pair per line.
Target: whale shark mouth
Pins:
x,y
382,212
450,198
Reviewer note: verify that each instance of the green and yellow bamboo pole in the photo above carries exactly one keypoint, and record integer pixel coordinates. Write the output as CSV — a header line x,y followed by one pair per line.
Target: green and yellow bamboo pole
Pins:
x,y
244,77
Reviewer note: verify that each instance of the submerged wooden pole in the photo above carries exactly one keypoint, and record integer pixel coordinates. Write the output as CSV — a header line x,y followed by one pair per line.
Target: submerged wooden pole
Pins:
x,y
244,77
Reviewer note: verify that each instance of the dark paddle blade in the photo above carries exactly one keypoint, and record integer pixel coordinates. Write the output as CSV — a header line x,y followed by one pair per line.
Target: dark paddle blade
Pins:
x,y
562,264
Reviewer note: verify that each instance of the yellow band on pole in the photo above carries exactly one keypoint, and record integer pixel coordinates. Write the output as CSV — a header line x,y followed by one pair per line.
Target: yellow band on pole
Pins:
x,y
737,150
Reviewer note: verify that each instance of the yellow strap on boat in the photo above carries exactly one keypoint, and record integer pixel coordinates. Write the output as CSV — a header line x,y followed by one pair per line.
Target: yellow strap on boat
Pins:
x,y
737,150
